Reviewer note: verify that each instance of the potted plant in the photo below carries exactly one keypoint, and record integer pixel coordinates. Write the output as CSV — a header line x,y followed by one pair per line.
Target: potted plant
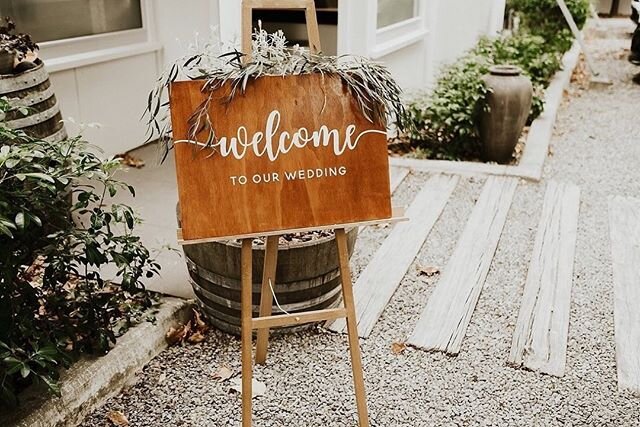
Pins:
x,y
13,46
307,269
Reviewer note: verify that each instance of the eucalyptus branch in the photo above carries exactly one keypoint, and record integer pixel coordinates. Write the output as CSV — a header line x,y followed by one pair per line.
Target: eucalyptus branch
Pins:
x,y
372,86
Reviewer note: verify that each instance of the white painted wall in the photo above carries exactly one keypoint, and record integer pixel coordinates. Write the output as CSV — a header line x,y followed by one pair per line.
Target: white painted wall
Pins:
x,y
409,65
99,81
416,53
458,26
178,23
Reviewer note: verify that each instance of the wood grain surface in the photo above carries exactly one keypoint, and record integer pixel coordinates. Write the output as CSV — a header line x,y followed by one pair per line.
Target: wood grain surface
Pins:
x,y
624,224
379,280
443,323
540,337
213,206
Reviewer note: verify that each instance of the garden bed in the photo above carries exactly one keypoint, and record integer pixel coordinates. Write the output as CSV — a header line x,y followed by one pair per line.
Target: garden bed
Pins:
x,y
93,380
536,146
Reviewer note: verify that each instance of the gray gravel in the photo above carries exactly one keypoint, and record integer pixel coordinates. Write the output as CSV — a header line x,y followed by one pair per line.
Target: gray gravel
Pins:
x,y
596,145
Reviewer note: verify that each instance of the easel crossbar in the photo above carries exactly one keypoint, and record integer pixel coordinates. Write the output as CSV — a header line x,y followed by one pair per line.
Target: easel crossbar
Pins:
x,y
298,318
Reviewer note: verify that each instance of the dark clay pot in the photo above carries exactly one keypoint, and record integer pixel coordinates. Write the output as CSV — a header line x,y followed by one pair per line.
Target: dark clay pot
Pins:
x,y
509,103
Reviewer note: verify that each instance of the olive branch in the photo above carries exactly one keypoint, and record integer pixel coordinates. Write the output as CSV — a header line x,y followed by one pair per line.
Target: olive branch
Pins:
x,y
372,86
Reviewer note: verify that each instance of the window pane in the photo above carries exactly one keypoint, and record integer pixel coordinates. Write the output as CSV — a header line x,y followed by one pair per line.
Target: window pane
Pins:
x,y
394,11
49,20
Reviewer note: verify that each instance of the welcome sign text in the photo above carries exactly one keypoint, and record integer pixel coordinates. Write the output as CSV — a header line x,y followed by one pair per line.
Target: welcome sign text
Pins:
x,y
273,143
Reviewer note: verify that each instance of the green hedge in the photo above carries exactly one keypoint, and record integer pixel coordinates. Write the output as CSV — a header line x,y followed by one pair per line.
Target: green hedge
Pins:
x,y
442,124
544,18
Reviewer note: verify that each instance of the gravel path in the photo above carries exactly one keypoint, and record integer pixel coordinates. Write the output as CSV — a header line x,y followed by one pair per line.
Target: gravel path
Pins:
x,y
308,378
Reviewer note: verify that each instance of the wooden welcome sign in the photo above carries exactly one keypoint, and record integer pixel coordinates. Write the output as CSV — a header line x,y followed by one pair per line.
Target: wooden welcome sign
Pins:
x,y
290,153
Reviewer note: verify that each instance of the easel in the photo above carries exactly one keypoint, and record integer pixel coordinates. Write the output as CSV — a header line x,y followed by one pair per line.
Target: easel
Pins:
x,y
266,320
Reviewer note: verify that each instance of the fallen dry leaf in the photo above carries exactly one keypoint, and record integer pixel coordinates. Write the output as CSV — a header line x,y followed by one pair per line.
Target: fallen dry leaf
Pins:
x,y
223,374
398,347
198,323
117,418
196,337
193,332
178,335
258,388
428,271
128,160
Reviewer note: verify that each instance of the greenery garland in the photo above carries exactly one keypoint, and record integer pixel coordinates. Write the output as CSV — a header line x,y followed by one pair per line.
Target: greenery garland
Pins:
x,y
375,91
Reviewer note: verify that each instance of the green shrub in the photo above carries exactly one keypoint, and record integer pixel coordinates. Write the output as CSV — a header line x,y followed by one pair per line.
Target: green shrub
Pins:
x,y
54,304
544,18
443,123
433,122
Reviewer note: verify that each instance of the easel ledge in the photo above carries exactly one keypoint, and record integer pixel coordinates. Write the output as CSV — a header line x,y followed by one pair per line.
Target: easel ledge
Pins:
x,y
397,216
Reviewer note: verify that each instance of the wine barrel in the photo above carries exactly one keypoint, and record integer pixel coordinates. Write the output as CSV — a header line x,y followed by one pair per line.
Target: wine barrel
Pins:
x,y
307,278
32,89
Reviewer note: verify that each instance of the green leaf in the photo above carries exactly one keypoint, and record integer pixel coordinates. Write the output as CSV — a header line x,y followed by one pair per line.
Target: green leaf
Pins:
x,y
49,350
5,230
129,218
37,175
20,220
25,371
11,360
35,219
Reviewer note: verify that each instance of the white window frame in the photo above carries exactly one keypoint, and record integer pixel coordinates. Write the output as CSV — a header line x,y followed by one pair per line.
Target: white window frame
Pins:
x,y
386,40
363,37
80,51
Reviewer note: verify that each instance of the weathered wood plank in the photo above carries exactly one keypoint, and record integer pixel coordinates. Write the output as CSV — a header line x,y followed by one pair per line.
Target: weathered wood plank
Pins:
x,y
397,175
444,321
379,280
624,224
540,337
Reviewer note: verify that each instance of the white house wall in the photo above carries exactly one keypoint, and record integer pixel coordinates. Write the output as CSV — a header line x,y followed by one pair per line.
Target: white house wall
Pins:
x,y
408,65
112,89
178,23
458,25
450,28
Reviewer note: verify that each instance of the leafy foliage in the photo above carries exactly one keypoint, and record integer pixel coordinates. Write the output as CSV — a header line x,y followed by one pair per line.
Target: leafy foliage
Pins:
x,y
54,303
448,114
443,123
544,18
371,84
11,42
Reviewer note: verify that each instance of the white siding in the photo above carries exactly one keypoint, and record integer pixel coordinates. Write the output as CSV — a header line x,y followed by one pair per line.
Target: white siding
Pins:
x,y
458,26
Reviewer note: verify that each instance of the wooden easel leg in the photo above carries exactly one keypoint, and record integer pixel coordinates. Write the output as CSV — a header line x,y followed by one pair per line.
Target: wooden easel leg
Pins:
x,y
266,298
247,331
352,328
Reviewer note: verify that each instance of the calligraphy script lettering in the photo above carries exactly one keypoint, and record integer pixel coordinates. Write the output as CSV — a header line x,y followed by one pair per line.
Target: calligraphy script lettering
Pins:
x,y
273,142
